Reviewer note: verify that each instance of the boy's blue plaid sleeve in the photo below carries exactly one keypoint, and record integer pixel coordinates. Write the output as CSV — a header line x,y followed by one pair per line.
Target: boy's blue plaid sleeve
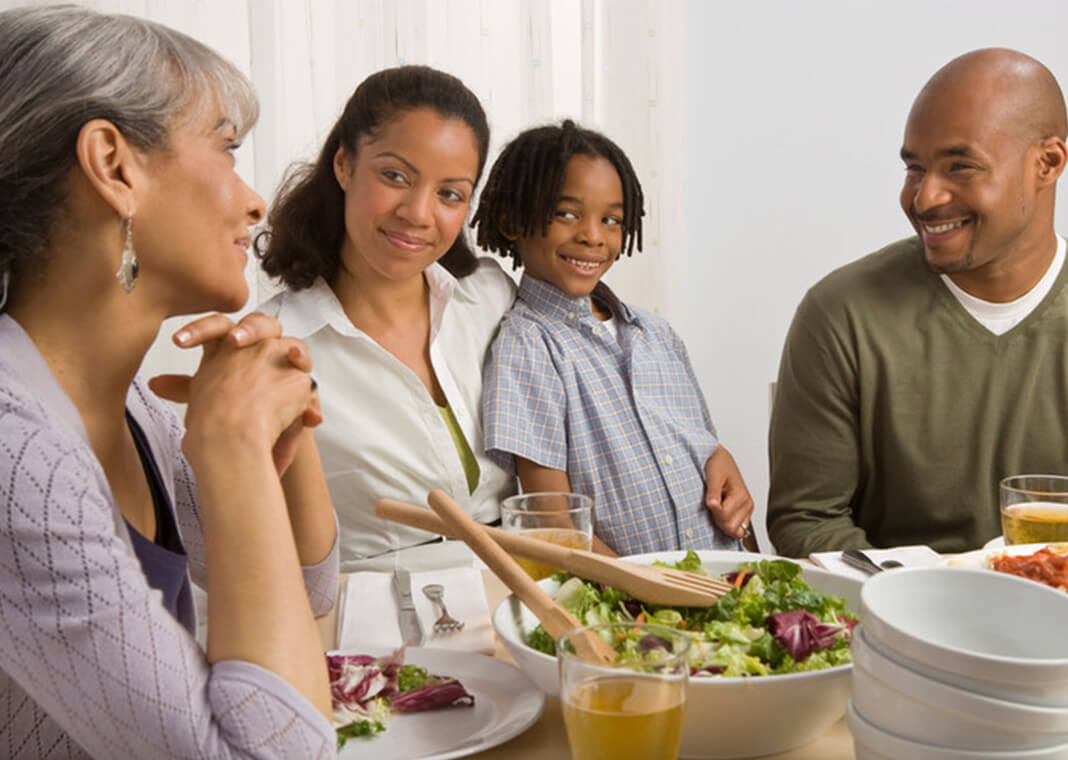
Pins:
x,y
524,406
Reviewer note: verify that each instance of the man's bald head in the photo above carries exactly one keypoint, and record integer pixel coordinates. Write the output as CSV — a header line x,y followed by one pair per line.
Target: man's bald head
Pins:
x,y
1007,86
983,149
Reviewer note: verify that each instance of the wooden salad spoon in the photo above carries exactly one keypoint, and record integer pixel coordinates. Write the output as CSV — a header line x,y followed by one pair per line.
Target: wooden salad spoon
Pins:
x,y
556,620
648,583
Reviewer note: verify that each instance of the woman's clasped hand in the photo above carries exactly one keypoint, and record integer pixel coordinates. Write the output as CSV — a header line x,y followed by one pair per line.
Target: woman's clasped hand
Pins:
x,y
253,384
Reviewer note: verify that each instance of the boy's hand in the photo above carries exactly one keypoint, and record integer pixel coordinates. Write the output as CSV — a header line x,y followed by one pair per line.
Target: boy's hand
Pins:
x,y
726,495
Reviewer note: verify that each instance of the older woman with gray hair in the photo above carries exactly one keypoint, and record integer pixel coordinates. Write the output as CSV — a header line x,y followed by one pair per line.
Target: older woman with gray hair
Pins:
x,y
119,207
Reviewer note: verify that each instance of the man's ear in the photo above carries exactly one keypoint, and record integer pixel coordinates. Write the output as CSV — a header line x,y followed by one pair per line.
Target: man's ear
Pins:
x,y
1051,160
109,164
343,167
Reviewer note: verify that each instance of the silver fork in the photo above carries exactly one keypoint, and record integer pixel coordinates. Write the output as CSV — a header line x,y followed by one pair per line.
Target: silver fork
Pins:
x,y
435,592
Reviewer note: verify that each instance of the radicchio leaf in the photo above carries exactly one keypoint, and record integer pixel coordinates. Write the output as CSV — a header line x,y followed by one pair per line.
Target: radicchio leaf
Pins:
x,y
849,623
801,633
711,670
651,641
445,693
633,606
733,576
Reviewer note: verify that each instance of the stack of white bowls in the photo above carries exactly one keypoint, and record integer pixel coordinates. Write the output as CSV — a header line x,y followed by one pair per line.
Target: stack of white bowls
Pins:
x,y
960,664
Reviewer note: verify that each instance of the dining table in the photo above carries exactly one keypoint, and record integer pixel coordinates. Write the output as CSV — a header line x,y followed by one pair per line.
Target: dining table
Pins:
x,y
546,740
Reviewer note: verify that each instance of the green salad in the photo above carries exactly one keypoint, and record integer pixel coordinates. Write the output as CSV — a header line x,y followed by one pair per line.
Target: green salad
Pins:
x,y
770,623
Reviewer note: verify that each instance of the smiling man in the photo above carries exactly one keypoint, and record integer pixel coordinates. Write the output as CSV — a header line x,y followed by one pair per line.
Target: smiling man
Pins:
x,y
915,378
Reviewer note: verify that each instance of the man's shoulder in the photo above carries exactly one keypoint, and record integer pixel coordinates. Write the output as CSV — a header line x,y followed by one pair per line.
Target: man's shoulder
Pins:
x,y
889,278
901,261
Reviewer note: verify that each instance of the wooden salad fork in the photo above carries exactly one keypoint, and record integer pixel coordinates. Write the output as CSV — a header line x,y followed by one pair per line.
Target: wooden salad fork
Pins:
x,y
648,583
556,620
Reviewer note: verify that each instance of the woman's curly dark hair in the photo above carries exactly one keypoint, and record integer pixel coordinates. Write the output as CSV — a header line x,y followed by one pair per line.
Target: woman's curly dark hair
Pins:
x,y
306,225
524,186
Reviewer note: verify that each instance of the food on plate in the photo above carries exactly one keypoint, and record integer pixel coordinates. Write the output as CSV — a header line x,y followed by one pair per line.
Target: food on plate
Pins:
x,y
771,622
365,690
1035,522
1048,565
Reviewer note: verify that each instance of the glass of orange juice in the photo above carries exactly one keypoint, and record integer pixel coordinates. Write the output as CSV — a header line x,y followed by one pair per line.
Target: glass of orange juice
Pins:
x,y
559,518
1034,509
631,709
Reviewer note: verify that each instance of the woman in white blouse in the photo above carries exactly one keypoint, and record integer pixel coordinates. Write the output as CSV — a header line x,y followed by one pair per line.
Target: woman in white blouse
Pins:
x,y
397,310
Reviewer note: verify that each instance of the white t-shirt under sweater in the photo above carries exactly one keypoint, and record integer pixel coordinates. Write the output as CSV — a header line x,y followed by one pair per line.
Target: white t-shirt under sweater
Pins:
x,y
999,318
382,434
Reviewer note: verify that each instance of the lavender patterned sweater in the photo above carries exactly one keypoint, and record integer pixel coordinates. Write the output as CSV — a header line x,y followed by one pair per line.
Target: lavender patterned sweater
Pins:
x,y
91,663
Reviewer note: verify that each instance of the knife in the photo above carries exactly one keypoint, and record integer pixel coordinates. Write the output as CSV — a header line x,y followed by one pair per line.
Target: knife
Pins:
x,y
861,561
411,630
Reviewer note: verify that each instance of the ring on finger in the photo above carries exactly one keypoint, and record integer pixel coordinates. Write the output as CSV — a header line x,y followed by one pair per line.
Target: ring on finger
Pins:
x,y
746,531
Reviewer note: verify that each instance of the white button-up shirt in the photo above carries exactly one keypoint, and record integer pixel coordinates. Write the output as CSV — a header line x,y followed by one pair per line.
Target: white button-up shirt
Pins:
x,y
382,434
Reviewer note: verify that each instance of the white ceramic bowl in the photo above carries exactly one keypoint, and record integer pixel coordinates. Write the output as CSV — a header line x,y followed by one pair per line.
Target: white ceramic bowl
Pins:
x,y
901,701
725,717
990,633
873,743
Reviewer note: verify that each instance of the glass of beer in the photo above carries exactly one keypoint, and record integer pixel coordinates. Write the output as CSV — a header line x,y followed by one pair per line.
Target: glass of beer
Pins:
x,y
1034,509
559,518
633,708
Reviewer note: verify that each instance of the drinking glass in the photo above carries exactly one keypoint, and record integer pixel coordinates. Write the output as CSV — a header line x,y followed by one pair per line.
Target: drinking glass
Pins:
x,y
558,518
1034,509
633,708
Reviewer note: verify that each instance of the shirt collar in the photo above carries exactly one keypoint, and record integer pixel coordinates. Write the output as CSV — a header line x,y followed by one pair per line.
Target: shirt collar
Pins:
x,y
553,302
307,311
24,361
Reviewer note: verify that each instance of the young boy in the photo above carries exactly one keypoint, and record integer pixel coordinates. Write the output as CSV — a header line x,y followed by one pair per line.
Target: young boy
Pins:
x,y
582,392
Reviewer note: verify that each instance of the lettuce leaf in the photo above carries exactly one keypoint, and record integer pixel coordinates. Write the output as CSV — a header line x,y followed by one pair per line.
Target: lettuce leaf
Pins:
x,y
358,728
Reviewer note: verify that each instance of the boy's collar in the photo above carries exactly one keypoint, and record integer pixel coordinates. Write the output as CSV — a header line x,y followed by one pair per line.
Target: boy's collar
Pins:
x,y
552,301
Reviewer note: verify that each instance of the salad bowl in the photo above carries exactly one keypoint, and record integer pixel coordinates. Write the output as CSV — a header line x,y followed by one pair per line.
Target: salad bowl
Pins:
x,y
725,717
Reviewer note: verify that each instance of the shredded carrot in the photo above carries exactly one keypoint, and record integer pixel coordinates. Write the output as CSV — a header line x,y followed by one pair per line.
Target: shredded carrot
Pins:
x,y
640,618
740,579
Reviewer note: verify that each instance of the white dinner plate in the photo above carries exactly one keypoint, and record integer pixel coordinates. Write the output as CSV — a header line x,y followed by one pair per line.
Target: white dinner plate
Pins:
x,y
507,703
982,558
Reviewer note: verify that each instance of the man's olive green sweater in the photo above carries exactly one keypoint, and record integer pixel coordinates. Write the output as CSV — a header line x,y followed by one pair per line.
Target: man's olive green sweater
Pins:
x,y
897,413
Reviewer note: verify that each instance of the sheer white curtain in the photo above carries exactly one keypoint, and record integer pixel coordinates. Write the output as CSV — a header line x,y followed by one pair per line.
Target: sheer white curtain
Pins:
x,y
614,65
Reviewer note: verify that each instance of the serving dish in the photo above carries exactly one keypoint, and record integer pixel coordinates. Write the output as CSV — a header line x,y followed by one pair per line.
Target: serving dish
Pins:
x,y
915,706
873,743
991,633
725,717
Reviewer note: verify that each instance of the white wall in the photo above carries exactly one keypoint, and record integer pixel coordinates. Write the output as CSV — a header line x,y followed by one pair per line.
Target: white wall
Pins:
x,y
792,113
794,117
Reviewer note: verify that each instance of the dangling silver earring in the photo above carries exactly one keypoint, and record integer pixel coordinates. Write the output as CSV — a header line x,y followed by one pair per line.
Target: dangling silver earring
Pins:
x,y
127,274
5,280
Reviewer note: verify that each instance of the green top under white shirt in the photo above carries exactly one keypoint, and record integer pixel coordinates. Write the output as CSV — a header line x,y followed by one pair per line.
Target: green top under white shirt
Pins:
x,y
463,448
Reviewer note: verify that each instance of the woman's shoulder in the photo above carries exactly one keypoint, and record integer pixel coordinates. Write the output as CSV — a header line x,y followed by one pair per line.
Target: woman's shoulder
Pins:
x,y
272,305
46,459
158,419
302,312
489,284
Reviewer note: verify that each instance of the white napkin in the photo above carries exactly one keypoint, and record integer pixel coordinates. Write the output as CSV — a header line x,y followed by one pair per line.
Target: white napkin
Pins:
x,y
367,617
909,556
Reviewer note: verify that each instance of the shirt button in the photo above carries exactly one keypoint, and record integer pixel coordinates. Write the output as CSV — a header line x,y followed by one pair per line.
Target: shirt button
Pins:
x,y
668,460
688,532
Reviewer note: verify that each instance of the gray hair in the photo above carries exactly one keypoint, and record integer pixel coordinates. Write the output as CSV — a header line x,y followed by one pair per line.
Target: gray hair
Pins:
x,y
63,66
